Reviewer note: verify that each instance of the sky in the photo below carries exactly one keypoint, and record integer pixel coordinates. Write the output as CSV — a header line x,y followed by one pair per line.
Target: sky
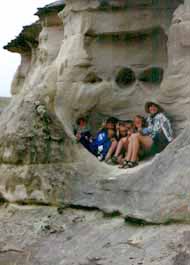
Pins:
x,y
14,15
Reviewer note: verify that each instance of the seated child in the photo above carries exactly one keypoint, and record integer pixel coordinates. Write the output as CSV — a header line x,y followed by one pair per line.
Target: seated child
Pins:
x,y
111,123
122,129
82,132
106,150
140,127
124,133
103,141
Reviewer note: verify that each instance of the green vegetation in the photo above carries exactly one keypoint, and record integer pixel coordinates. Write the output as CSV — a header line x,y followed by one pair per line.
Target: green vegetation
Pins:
x,y
113,214
41,139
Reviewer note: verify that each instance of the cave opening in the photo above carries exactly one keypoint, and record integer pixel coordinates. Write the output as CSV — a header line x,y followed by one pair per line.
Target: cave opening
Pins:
x,y
152,75
125,77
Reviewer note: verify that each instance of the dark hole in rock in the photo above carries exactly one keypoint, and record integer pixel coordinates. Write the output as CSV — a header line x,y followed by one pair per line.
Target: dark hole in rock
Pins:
x,y
92,78
125,77
152,75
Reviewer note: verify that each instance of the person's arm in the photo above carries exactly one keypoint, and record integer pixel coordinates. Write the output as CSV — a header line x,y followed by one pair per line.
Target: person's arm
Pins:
x,y
150,125
78,136
166,128
147,130
87,135
77,133
103,126
106,148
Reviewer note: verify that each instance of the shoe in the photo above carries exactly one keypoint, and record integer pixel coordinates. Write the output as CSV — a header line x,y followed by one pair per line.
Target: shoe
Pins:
x,y
132,164
100,158
125,164
115,160
109,162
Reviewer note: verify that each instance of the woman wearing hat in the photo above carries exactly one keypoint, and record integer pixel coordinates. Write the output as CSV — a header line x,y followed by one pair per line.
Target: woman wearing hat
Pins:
x,y
158,135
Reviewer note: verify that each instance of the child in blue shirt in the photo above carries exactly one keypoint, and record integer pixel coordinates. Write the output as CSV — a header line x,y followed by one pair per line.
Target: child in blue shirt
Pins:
x,y
105,149
105,142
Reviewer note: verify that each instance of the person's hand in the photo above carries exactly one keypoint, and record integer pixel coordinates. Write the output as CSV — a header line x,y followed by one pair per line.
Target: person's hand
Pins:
x,y
139,127
78,136
103,125
139,130
91,140
100,148
129,132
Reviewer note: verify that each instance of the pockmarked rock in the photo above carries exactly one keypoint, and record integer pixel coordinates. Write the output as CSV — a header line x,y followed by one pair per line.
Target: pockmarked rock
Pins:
x,y
74,60
43,236
60,205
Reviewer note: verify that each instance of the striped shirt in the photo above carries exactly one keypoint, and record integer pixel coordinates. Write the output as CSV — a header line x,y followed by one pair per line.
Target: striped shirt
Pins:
x,y
160,123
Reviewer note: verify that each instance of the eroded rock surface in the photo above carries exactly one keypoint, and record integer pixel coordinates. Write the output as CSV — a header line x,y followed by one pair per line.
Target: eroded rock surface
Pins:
x,y
75,60
4,102
74,63
43,236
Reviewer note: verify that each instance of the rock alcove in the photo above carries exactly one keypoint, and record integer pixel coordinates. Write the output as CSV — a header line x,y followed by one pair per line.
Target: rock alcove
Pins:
x,y
84,57
97,58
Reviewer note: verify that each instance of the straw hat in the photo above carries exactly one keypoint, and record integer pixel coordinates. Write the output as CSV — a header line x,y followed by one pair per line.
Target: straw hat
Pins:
x,y
150,103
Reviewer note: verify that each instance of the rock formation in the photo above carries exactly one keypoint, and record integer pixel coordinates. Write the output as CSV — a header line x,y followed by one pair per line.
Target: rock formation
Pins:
x,y
4,101
100,58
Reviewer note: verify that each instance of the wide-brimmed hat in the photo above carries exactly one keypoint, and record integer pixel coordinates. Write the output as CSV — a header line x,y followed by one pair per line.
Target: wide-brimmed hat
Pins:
x,y
150,103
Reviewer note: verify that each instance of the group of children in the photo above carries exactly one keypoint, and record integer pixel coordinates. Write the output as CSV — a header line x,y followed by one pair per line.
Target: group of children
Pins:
x,y
126,142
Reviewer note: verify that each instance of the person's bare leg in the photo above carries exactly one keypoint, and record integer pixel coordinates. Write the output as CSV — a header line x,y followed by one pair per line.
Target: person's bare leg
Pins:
x,y
129,152
136,148
130,149
126,144
138,139
121,144
146,141
111,150
120,159
119,148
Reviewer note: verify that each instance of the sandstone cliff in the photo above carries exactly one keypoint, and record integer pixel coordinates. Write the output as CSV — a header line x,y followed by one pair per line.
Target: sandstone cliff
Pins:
x,y
74,62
